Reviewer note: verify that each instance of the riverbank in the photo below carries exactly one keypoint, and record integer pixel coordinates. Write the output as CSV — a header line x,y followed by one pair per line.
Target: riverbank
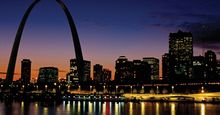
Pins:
x,y
44,97
213,97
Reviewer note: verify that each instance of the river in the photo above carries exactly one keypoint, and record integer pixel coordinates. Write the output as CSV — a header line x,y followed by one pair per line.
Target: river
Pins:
x,y
108,108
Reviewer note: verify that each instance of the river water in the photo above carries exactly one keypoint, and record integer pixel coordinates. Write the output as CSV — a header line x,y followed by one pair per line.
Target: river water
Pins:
x,y
108,108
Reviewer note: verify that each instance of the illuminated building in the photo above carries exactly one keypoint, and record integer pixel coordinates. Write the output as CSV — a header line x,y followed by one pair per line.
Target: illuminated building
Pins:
x,y
98,73
25,71
141,71
123,70
198,68
73,77
165,66
154,67
107,74
48,75
218,70
181,54
210,60
101,75
133,72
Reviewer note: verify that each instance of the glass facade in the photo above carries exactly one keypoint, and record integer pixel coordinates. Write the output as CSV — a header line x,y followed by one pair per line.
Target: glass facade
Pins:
x,y
25,71
48,75
181,54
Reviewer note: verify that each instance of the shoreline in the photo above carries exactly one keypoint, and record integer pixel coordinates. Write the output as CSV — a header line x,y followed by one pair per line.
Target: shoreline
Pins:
x,y
47,97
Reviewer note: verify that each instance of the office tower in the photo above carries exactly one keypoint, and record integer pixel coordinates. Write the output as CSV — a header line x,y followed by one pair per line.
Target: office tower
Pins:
x,y
107,74
165,66
181,54
72,76
87,69
101,75
218,70
211,62
48,75
25,71
123,70
141,71
154,67
98,73
138,71
198,68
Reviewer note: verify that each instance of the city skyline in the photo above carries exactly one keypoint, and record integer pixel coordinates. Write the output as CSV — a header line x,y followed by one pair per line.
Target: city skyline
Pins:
x,y
133,36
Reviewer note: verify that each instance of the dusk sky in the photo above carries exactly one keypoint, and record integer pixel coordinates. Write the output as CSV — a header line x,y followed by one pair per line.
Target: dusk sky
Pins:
x,y
107,29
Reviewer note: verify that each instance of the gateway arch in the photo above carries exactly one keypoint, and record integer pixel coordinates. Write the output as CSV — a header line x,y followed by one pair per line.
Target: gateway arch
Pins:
x,y
76,42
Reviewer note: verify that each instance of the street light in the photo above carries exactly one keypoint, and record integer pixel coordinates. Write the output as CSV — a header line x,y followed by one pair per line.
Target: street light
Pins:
x,y
90,88
116,89
68,88
131,88
37,87
172,89
79,88
59,87
45,87
23,87
157,89
202,91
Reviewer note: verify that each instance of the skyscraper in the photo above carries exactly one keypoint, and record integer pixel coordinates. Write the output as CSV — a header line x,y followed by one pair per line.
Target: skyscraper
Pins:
x,y
181,54
141,72
165,66
25,71
198,68
218,70
48,75
73,77
211,62
133,72
107,74
154,67
123,70
98,73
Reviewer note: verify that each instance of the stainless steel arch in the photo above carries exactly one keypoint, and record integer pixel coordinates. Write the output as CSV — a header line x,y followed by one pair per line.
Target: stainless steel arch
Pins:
x,y
13,57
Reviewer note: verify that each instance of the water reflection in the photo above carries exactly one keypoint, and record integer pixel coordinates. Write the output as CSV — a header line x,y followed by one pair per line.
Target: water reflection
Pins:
x,y
202,112
131,108
173,110
142,108
107,108
157,109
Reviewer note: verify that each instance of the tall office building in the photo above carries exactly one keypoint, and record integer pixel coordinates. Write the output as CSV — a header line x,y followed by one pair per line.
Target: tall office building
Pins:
x,y
141,71
137,71
181,54
218,69
123,70
72,76
107,74
48,75
98,73
165,66
25,71
211,62
134,72
198,68
154,67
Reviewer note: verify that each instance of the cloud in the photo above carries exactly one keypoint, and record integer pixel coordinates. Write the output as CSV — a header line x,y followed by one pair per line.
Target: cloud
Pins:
x,y
174,18
205,35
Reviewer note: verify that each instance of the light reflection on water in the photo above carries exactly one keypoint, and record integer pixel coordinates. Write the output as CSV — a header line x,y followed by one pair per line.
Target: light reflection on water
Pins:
x,y
173,109
108,108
